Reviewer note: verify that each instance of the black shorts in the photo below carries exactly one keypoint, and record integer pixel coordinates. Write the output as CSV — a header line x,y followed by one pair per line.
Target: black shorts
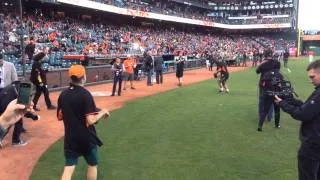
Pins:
x,y
71,158
224,77
179,74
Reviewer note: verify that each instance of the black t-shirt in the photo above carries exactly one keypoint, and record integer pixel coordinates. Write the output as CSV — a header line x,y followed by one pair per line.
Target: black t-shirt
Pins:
x,y
286,55
222,67
180,64
75,103
35,71
267,65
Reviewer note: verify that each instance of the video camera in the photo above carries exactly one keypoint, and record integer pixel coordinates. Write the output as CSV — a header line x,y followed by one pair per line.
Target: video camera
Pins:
x,y
281,88
273,83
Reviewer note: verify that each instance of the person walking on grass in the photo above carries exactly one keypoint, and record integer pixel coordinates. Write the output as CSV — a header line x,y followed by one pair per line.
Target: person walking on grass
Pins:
x,y
222,74
77,110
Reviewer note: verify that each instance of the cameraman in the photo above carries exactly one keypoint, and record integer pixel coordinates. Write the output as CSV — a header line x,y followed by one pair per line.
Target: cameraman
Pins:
x,y
309,114
266,101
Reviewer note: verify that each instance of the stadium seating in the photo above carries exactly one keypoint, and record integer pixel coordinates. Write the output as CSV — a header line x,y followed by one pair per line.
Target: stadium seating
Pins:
x,y
72,36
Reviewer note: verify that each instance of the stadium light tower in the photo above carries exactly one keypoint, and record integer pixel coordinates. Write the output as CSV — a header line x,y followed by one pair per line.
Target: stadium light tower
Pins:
x,y
21,40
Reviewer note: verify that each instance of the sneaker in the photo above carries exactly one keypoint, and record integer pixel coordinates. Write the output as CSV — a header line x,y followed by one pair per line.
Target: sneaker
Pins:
x,y
20,143
227,90
277,126
23,130
35,108
52,107
32,116
259,129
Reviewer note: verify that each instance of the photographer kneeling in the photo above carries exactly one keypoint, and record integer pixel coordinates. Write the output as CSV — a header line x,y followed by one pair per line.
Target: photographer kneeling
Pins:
x,y
267,68
309,114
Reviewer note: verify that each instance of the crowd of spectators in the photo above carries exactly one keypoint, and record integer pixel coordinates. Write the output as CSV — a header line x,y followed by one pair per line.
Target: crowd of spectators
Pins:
x,y
71,36
277,43
193,12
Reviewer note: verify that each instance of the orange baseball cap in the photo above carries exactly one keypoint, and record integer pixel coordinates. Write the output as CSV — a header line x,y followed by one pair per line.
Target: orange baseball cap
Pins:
x,y
77,70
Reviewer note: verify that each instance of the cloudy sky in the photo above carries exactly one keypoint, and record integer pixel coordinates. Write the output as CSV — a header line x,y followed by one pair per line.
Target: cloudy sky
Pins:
x,y
308,14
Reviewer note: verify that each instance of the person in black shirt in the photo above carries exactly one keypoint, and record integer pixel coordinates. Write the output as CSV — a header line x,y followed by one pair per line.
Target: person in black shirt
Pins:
x,y
158,66
180,69
222,74
8,94
285,59
309,115
118,69
148,67
211,61
39,78
265,101
77,109
12,114
30,48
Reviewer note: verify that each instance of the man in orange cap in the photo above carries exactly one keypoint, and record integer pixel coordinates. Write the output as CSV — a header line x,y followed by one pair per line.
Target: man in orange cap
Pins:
x,y
77,109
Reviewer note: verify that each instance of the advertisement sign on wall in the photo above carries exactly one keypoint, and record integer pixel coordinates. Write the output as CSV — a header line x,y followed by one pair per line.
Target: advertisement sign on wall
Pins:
x,y
293,51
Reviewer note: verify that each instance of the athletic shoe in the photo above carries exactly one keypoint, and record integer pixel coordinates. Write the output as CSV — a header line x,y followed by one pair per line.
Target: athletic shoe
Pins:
x,y
20,143
35,108
1,144
23,130
52,107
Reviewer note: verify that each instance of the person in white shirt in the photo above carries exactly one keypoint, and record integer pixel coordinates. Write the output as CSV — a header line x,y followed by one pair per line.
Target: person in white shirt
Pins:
x,y
8,73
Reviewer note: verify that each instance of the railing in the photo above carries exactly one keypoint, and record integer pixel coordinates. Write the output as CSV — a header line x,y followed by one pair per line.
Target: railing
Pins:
x,y
59,79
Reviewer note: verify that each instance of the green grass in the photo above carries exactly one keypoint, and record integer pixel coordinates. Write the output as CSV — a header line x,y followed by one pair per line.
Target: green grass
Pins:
x,y
193,133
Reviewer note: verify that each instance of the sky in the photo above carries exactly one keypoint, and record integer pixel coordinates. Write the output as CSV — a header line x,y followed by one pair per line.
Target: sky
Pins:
x,y
308,14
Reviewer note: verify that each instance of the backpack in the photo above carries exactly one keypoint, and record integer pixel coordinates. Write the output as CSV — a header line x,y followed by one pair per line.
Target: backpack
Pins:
x,y
272,80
